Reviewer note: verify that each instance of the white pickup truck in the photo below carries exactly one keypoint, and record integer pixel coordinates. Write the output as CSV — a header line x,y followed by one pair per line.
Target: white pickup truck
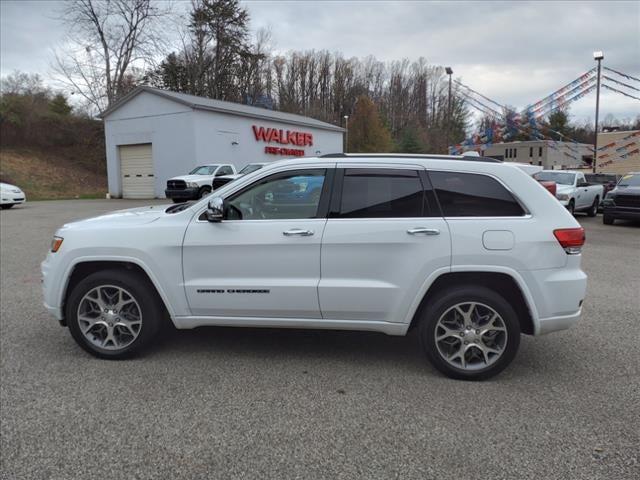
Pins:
x,y
197,184
573,191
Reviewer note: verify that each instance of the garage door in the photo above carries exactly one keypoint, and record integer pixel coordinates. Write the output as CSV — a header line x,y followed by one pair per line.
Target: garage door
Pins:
x,y
136,168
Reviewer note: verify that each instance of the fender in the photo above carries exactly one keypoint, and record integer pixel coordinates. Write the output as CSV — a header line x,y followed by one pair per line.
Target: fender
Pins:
x,y
475,268
116,258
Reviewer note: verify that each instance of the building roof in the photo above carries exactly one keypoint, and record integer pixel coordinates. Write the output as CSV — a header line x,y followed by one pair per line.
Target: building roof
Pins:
x,y
209,104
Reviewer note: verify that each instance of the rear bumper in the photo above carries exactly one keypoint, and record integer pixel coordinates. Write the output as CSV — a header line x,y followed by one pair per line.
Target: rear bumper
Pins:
x,y
628,213
189,193
554,324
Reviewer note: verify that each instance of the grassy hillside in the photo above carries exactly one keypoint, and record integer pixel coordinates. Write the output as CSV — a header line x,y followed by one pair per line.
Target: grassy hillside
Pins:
x,y
46,174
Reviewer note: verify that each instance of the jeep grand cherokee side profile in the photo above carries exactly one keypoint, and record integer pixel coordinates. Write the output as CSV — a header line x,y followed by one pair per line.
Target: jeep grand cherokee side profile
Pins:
x,y
470,252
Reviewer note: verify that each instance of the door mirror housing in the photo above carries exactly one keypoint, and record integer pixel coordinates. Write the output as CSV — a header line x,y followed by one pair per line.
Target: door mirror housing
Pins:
x,y
215,210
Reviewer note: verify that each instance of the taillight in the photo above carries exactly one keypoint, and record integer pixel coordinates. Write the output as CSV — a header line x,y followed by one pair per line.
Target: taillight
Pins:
x,y
571,239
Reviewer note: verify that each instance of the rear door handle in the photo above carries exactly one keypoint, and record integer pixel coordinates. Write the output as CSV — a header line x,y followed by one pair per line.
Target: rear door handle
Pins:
x,y
298,232
423,231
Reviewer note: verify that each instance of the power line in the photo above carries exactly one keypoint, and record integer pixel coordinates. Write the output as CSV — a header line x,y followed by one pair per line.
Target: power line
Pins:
x,y
620,91
629,77
621,83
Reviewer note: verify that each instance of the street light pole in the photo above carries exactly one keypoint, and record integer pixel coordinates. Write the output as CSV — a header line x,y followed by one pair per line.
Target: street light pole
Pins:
x,y
346,133
598,56
449,72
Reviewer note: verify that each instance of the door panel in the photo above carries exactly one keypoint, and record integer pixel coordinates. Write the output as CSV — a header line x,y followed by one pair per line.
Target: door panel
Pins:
x,y
263,260
372,268
383,239
250,268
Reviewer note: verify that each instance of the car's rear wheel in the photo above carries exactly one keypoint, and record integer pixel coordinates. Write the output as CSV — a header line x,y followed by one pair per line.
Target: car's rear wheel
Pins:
x,y
469,333
113,313
607,219
593,211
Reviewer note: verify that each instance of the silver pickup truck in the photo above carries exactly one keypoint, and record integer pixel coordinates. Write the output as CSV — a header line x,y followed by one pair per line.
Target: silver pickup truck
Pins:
x,y
573,191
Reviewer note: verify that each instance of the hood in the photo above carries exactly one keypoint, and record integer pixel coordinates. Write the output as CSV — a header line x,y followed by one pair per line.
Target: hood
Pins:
x,y
8,187
193,178
626,191
130,216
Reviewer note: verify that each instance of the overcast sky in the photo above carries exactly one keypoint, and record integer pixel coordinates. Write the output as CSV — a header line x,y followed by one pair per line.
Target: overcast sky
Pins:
x,y
513,52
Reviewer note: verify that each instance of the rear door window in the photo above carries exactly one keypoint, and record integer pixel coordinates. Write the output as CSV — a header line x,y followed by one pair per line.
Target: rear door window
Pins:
x,y
473,195
381,193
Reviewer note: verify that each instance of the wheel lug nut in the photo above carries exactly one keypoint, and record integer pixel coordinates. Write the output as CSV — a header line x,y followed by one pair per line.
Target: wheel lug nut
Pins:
x,y
477,332
466,343
462,334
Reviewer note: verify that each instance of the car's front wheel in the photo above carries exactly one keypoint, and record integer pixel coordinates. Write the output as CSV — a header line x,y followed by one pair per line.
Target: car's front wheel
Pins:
x,y
204,191
470,332
607,219
6,206
113,313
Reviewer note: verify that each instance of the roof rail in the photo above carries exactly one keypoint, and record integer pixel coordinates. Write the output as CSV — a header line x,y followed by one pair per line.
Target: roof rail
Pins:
x,y
466,158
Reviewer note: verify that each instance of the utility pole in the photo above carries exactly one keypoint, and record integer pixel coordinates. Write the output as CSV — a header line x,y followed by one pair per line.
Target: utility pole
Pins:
x,y
449,72
346,133
598,56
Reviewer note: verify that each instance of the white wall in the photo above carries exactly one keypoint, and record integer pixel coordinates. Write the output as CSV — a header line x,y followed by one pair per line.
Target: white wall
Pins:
x,y
183,138
215,133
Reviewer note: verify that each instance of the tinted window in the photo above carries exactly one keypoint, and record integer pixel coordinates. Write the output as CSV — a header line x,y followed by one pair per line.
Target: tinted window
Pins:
x,y
381,193
293,194
225,170
473,195
204,170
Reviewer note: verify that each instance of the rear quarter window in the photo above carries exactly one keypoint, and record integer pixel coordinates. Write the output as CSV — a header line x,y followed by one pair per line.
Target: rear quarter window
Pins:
x,y
473,195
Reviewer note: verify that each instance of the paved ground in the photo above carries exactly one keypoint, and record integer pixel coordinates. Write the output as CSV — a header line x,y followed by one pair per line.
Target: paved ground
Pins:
x,y
231,403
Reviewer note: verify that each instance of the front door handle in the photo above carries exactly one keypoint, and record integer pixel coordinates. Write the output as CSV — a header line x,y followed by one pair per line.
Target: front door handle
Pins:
x,y
298,232
423,231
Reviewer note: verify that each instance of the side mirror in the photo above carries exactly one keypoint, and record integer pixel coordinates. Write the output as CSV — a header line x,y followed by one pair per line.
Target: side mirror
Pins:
x,y
215,210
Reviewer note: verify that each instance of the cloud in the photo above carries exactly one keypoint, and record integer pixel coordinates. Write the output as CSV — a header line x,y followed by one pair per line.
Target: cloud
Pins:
x,y
514,52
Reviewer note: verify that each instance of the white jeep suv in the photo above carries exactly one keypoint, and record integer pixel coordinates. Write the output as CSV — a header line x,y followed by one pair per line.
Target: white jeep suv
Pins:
x,y
469,251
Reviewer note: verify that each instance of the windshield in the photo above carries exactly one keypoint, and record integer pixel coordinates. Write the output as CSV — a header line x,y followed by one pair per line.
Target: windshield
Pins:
x,y
562,178
204,170
252,167
632,180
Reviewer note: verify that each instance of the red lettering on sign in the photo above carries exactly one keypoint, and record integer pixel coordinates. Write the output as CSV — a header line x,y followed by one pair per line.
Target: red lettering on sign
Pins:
x,y
283,137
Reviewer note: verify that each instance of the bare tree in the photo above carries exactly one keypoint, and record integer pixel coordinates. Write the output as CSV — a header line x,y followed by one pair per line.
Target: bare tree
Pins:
x,y
107,40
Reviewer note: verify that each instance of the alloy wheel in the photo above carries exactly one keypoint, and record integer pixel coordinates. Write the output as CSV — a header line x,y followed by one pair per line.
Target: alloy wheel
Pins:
x,y
471,336
109,317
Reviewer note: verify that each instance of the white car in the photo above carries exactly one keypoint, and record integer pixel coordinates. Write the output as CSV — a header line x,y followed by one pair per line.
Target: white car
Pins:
x,y
197,184
573,191
10,195
472,253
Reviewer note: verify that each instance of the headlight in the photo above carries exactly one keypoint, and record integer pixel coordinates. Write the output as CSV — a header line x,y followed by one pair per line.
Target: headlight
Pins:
x,y
16,190
562,196
56,243
192,185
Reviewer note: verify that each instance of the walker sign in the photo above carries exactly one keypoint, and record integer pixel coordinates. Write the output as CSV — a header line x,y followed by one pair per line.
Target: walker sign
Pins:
x,y
283,137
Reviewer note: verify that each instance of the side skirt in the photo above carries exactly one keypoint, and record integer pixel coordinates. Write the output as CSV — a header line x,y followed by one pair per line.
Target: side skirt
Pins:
x,y
315,323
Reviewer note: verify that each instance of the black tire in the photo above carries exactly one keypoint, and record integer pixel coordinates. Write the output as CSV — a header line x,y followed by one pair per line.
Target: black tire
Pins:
x,y
204,191
140,289
461,294
572,207
593,210
608,219
178,200
6,206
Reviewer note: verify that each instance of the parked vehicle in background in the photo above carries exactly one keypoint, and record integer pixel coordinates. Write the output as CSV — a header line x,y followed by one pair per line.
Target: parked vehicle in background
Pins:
x,y
354,242
607,180
573,191
532,170
623,202
11,195
224,179
197,184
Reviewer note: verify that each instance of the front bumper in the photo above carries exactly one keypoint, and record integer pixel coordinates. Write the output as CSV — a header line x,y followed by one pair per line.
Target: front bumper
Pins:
x,y
626,213
13,199
189,193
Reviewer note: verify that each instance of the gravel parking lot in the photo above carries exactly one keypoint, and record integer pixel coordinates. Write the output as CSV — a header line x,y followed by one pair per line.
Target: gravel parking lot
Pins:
x,y
250,403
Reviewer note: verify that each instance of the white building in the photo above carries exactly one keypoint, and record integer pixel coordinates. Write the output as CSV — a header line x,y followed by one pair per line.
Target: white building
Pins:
x,y
152,135
545,153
